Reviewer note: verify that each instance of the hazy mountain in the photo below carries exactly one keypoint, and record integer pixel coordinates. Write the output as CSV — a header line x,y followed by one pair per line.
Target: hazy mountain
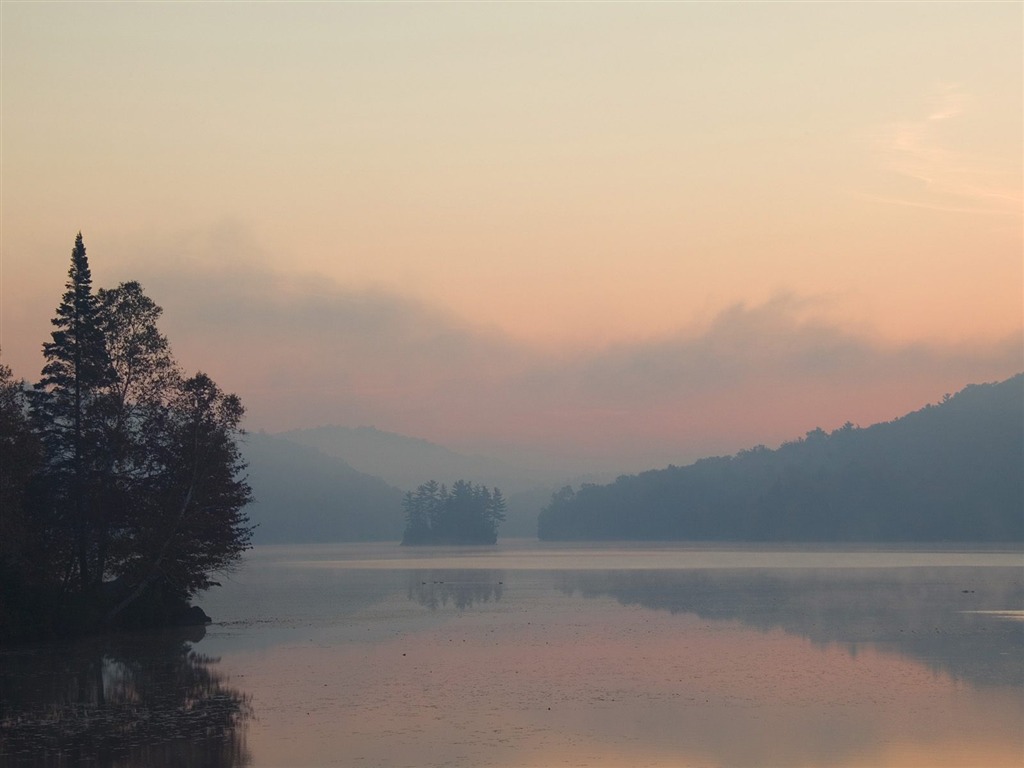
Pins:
x,y
407,462
948,472
304,495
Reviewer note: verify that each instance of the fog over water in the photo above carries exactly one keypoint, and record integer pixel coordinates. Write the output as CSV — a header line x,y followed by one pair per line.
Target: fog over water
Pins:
x,y
533,655
660,655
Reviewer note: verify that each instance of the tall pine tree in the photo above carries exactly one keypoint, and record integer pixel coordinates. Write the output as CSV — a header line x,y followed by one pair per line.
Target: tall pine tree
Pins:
x,y
66,401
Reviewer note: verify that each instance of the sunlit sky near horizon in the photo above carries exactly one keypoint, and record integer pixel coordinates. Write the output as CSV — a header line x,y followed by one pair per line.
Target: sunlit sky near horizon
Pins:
x,y
616,234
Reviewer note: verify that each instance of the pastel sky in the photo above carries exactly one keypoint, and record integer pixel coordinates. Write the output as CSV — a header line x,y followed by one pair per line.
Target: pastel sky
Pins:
x,y
617,234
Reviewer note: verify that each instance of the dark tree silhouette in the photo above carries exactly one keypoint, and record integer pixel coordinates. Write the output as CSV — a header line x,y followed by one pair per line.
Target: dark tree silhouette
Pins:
x,y
186,519
466,514
20,458
76,370
138,491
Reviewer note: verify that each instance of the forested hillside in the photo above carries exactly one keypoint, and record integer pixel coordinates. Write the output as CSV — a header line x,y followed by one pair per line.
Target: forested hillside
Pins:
x,y
948,472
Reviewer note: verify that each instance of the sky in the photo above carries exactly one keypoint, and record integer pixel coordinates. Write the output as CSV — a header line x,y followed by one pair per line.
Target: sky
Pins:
x,y
612,235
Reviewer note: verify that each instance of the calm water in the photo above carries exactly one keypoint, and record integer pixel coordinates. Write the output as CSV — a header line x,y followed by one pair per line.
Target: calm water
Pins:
x,y
534,655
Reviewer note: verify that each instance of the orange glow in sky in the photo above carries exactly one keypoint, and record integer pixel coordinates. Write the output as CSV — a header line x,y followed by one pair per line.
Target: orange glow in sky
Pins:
x,y
491,223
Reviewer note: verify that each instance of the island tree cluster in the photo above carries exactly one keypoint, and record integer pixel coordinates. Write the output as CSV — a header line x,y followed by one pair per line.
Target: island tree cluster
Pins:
x,y
121,486
464,514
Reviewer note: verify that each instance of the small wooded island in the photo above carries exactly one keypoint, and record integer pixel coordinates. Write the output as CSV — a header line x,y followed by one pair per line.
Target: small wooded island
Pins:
x,y
121,487
465,514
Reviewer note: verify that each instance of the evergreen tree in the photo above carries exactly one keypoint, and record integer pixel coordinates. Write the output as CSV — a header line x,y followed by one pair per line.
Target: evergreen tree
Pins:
x,y
496,509
465,514
422,510
65,409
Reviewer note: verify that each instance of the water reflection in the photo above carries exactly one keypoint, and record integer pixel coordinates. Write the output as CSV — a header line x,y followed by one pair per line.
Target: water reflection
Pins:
x,y
457,588
953,619
129,700
362,661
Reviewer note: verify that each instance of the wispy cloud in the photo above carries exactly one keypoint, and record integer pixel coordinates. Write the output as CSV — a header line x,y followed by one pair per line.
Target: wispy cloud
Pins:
x,y
948,176
948,101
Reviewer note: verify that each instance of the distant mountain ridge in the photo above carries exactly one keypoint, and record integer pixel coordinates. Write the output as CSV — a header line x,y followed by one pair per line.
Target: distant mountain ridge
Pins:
x,y
407,462
334,483
948,472
400,460
304,495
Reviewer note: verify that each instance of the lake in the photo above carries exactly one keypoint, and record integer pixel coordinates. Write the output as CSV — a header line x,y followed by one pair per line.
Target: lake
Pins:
x,y
530,654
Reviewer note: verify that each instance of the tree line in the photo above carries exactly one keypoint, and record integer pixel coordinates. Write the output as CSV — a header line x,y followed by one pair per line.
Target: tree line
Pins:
x,y
464,514
948,472
121,487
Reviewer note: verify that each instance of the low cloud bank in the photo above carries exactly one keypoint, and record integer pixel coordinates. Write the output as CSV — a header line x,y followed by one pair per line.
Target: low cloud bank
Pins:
x,y
304,351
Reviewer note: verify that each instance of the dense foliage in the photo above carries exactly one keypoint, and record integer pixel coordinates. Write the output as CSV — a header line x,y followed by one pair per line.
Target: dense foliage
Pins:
x,y
466,514
120,477
949,472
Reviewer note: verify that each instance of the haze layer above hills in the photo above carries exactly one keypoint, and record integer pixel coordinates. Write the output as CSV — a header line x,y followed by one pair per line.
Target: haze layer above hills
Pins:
x,y
951,471
337,483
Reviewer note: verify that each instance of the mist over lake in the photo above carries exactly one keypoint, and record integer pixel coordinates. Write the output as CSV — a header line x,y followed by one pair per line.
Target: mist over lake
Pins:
x,y
537,655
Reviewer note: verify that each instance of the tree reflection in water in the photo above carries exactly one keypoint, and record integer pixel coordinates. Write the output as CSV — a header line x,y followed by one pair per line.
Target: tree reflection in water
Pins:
x,y
144,699
459,588
942,617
